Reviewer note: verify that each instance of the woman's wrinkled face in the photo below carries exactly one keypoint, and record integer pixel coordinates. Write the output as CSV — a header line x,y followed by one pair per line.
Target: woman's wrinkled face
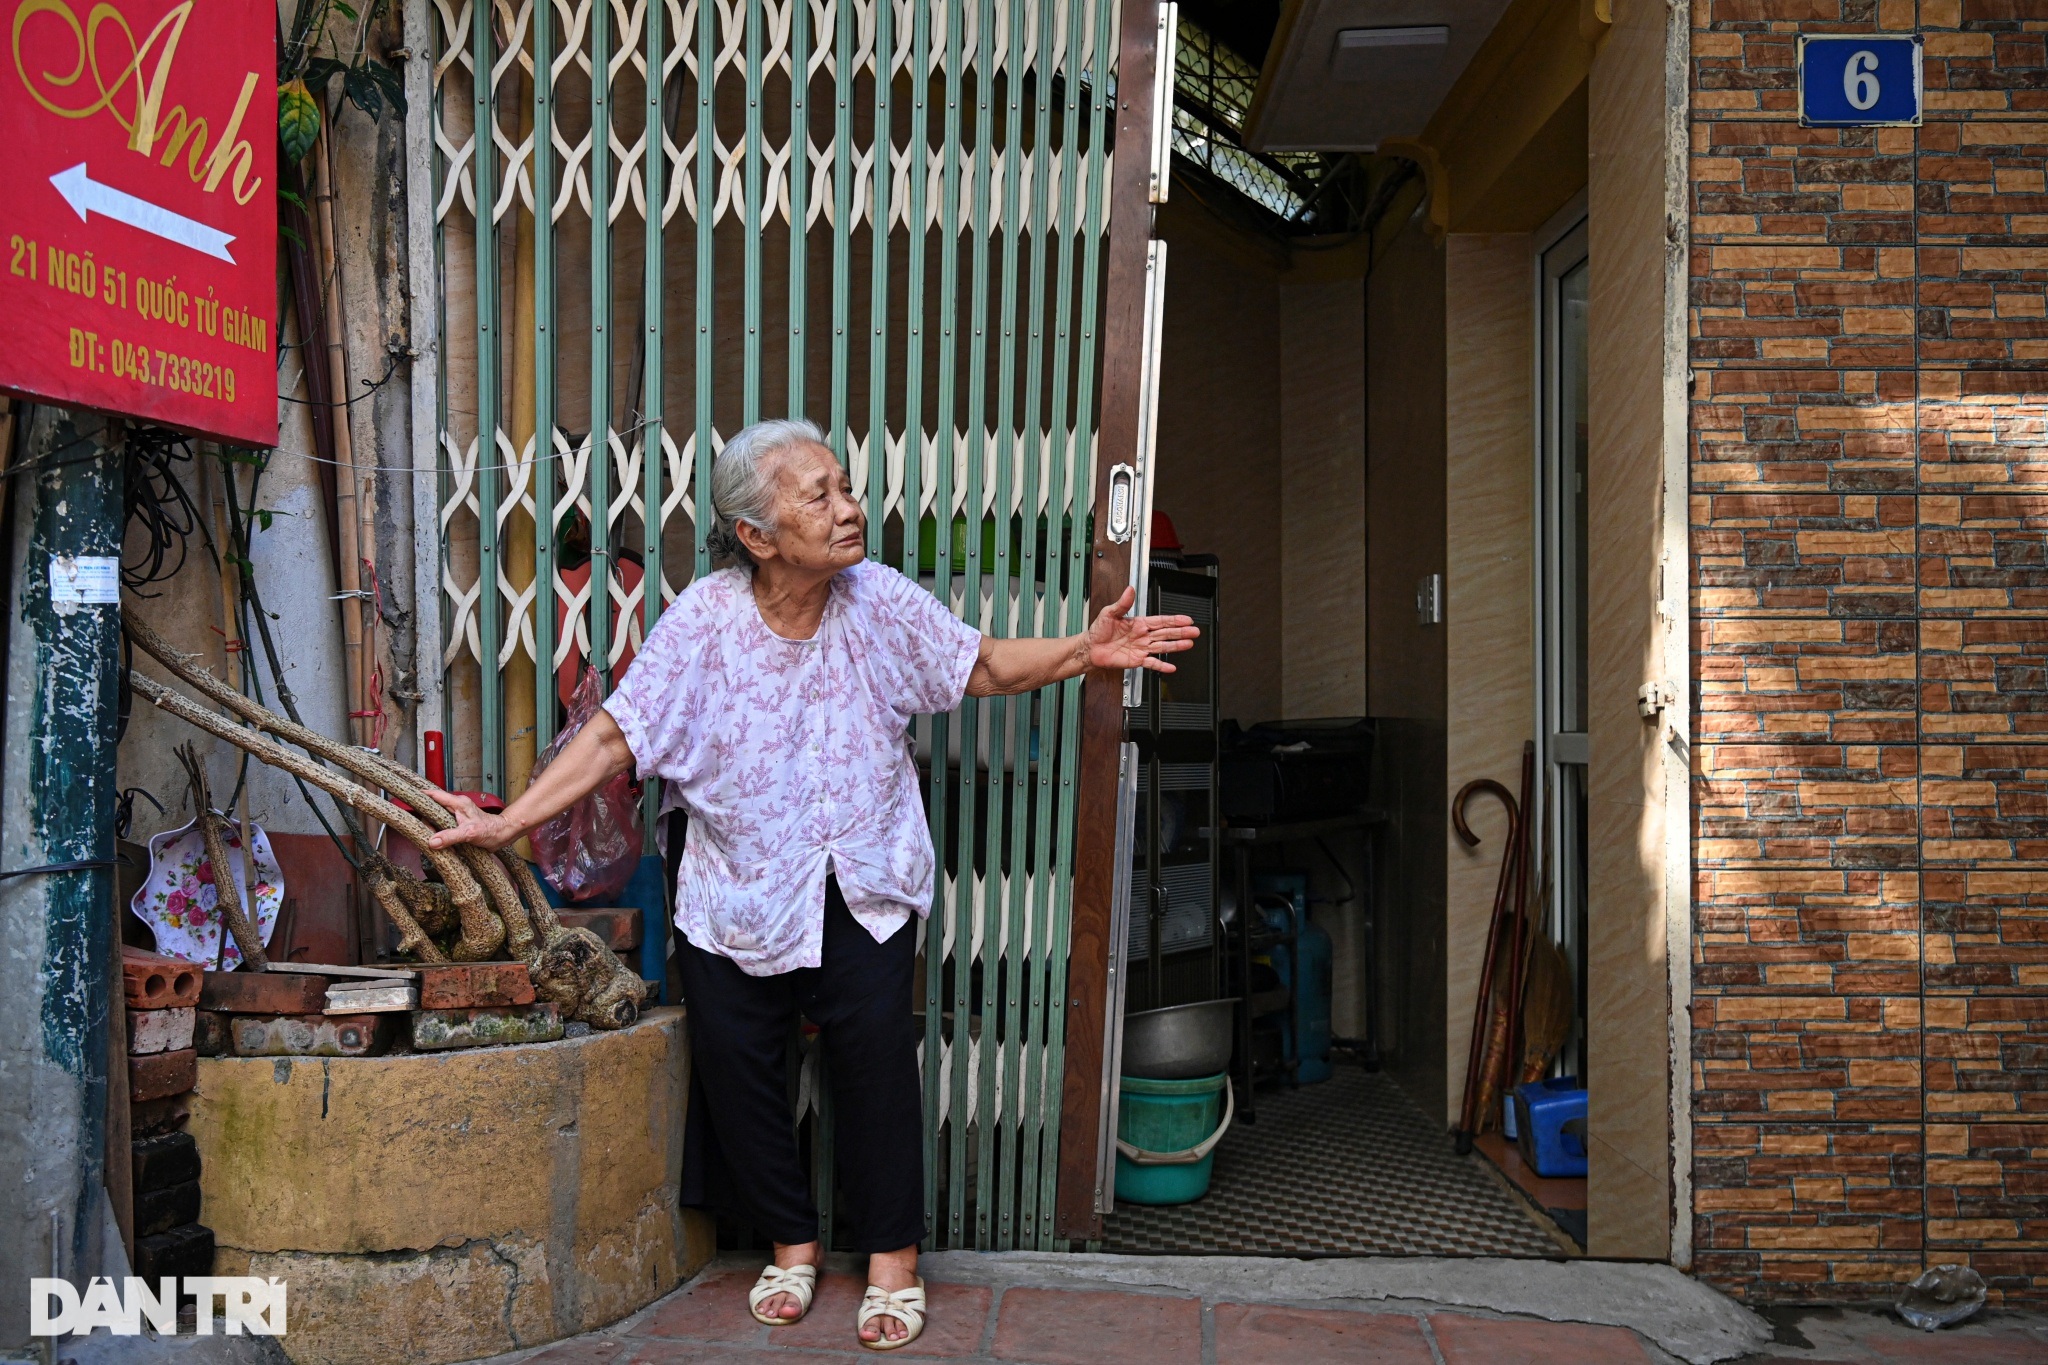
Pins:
x,y
818,525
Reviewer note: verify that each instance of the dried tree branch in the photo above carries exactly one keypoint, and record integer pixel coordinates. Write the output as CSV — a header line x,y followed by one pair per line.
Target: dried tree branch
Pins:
x,y
571,967
482,933
228,898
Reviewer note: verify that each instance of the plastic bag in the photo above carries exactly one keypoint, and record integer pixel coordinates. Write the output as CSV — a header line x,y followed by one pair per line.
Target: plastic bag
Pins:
x,y
591,850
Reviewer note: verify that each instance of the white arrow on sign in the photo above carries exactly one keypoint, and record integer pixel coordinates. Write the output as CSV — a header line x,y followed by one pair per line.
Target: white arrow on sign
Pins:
x,y
88,196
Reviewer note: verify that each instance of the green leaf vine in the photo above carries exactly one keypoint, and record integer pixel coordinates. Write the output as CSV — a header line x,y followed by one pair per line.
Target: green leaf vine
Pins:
x,y
316,51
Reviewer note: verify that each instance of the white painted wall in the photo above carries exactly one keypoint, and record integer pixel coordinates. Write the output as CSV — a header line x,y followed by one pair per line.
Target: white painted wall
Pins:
x,y
295,573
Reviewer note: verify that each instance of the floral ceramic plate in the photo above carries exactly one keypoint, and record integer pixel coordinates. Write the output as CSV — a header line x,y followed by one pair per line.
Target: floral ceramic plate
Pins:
x,y
179,899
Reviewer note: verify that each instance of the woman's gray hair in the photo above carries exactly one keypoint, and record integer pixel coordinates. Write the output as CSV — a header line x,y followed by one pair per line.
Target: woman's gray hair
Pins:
x,y
741,490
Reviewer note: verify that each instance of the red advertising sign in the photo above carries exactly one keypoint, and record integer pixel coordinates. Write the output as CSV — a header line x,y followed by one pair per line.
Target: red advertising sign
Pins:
x,y
138,150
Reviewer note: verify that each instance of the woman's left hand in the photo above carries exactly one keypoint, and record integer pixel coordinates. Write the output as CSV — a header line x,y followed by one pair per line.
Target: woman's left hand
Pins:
x,y
1119,640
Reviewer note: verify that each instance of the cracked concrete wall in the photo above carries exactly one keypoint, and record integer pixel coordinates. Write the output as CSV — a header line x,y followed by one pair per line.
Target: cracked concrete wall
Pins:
x,y
367,164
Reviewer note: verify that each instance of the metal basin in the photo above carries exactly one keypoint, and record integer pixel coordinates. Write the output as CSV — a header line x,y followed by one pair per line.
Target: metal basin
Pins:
x,y
1179,1042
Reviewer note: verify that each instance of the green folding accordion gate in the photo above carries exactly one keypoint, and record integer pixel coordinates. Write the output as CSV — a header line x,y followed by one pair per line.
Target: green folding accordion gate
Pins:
x,y
681,218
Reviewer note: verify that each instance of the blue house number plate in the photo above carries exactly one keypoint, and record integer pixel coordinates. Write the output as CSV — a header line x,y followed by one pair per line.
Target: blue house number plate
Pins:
x,y
1859,80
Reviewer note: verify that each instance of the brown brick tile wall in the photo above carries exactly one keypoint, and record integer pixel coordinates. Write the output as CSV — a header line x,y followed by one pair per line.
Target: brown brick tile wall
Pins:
x,y
1783,931
1984,930
1816,805
1810,1187
1846,1057
1987,1057
1808,680
1987,1184
1869,344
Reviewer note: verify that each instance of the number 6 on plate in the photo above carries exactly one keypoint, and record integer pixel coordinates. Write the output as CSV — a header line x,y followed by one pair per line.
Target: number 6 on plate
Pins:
x,y
1859,80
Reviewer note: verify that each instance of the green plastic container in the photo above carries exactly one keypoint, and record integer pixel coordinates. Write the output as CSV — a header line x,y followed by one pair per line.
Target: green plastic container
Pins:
x,y
1167,1117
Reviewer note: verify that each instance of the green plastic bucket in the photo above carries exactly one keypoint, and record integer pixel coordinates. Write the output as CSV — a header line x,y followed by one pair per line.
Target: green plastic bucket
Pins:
x,y
1166,1137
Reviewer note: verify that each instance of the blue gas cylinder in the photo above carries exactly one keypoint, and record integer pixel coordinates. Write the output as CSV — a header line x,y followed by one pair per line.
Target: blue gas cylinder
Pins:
x,y
1304,1038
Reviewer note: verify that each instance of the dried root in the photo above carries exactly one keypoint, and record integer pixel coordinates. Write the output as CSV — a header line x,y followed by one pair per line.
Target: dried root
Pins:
x,y
384,882
571,967
584,979
429,902
462,888
482,932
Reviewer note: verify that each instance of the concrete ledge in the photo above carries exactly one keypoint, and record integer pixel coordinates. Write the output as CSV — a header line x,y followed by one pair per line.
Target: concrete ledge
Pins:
x,y
1696,1323
442,1206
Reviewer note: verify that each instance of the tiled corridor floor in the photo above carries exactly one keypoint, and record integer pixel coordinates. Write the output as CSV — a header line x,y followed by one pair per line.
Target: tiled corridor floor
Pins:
x,y
1034,1324
1348,1167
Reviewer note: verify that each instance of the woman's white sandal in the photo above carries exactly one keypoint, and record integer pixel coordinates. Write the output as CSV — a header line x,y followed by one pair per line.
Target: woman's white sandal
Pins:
x,y
905,1305
797,1281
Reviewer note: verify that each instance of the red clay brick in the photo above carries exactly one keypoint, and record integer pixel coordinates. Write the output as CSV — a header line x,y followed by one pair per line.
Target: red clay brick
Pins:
x,y
186,1250
166,1115
161,1210
1492,1341
1087,1327
313,1035
617,927
475,985
264,993
213,1033
163,1161
1247,1334
150,981
162,1074
1961,1346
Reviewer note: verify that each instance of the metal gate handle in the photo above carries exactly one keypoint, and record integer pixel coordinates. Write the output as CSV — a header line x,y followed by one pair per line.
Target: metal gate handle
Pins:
x,y
1187,1156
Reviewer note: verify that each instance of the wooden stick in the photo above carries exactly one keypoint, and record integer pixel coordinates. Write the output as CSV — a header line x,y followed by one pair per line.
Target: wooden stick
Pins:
x,y
348,480
1518,938
227,899
462,887
1475,1051
372,768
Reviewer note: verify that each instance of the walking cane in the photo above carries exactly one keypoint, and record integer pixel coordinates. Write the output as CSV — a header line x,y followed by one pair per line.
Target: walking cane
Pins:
x,y
1468,1117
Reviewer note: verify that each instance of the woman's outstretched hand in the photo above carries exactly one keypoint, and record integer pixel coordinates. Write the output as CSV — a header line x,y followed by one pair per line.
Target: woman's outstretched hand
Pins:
x,y
473,825
596,753
1120,640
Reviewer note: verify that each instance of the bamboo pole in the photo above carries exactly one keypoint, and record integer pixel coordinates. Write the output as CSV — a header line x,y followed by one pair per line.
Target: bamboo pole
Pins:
x,y
523,693
348,494
230,618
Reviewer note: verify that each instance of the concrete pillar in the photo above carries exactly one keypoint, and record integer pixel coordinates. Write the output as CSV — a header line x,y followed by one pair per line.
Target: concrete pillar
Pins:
x,y
56,814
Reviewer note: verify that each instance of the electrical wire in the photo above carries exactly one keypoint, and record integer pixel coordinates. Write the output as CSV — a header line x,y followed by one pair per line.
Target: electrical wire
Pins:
x,y
161,515
391,359
252,604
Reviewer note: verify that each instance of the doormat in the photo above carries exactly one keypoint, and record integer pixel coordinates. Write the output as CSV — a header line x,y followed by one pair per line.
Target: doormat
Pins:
x,y
1349,1167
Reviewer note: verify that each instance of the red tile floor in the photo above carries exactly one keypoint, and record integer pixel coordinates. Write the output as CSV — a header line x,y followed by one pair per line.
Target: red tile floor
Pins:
x,y
707,1320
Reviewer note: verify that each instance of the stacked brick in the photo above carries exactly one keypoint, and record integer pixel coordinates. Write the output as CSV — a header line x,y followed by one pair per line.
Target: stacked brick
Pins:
x,y
1869,319
298,1014
283,1014
161,996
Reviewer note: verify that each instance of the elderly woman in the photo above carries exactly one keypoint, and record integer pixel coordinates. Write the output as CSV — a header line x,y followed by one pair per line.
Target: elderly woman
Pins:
x,y
775,699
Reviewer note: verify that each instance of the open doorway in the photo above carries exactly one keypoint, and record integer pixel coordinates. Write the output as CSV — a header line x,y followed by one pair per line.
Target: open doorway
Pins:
x,y
1371,478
